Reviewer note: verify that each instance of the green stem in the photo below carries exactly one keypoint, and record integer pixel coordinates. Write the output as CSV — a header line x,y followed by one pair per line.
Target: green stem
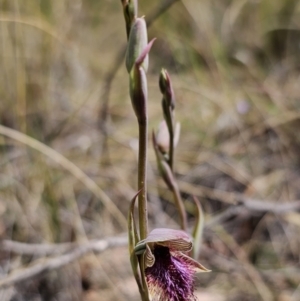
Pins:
x,y
171,152
142,177
144,294
180,206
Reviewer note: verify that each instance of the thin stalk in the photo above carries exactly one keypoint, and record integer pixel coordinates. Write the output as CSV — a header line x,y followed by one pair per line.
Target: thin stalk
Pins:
x,y
142,177
179,205
171,151
145,293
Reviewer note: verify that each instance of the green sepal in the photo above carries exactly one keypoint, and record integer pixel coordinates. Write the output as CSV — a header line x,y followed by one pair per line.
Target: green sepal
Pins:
x,y
198,229
133,239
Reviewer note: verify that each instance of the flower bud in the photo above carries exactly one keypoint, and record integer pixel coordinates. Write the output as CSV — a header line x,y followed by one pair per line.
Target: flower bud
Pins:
x,y
130,8
138,92
138,39
166,89
163,167
163,137
138,85
163,80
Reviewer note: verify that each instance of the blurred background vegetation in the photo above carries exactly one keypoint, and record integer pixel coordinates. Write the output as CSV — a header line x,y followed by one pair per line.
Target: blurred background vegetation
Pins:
x,y
235,66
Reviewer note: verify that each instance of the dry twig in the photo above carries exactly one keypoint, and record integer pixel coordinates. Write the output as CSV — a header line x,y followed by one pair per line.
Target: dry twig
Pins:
x,y
49,264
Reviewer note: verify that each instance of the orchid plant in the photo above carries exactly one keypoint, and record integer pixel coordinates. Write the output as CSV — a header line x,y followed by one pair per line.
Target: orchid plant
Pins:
x,y
160,260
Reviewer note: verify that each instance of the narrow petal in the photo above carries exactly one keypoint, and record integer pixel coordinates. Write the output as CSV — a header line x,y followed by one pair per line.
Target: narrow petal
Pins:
x,y
195,265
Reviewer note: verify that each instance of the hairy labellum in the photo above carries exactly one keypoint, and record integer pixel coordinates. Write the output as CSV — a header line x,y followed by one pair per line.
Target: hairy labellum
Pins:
x,y
169,272
171,276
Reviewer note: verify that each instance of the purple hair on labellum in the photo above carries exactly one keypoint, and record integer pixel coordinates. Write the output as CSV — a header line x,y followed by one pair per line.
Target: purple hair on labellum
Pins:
x,y
171,277
169,271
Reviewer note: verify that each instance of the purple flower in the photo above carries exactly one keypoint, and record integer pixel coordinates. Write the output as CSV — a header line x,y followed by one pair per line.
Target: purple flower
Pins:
x,y
169,272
